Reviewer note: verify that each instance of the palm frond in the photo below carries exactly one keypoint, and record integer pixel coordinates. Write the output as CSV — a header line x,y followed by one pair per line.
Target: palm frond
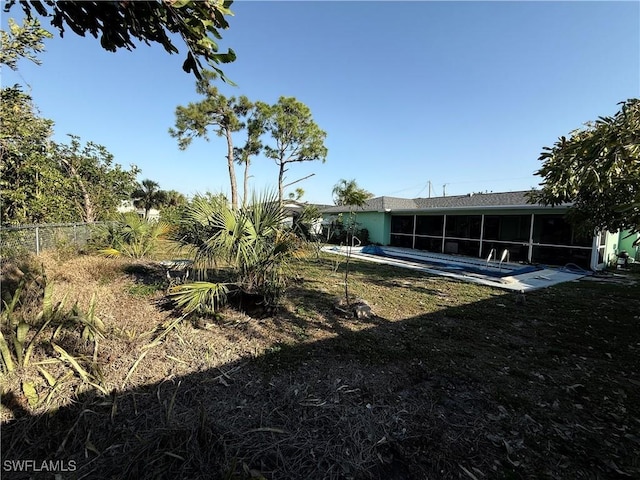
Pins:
x,y
204,297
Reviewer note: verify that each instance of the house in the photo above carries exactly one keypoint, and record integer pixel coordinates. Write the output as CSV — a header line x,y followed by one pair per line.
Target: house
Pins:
x,y
480,225
127,206
294,209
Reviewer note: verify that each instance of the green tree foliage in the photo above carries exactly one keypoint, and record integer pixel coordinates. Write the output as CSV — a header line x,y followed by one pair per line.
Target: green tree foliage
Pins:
x,y
597,169
95,186
26,175
214,111
148,195
173,206
42,181
173,198
347,192
119,24
253,145
295,137
23,41
297,194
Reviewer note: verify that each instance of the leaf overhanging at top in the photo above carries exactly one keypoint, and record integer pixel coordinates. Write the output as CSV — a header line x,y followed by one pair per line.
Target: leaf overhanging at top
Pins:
x,y
597,169
119,24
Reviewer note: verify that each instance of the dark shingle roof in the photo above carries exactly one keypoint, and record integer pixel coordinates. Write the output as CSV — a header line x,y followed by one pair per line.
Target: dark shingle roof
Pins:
x,y
502,199
478,200
377,204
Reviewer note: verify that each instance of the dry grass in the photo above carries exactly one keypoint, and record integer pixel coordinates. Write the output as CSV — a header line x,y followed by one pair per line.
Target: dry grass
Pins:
x,y
448,380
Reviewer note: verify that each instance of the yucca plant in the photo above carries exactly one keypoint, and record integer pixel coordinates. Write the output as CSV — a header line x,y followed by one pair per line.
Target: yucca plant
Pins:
x,y
23,335
251,242
21,329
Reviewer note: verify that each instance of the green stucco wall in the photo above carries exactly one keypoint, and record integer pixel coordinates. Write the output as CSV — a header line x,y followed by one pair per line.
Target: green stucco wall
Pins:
x,y
625,242
378,224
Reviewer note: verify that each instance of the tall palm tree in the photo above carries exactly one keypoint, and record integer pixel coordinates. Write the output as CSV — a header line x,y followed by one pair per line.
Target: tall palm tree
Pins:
x,y
148,196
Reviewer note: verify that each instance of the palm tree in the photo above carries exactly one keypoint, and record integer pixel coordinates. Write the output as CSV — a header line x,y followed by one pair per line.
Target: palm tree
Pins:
x,y
148,196
173,198
251,241
347,192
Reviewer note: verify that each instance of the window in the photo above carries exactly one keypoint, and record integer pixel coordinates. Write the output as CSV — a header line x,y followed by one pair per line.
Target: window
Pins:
x,y
562,256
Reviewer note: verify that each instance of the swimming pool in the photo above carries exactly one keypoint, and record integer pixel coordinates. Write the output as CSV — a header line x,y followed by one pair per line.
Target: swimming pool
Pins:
x,y
449,263
505,275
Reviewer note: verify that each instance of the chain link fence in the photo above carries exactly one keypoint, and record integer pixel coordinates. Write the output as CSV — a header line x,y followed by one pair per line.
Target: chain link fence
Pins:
x,y
37,238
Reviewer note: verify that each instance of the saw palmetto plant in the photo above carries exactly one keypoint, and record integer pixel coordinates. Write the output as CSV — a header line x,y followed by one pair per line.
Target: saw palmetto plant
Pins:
x,y
131,235
251,243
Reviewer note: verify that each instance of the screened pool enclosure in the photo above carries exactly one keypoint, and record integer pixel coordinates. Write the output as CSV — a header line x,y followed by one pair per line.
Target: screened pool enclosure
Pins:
x,y
533,238
503,226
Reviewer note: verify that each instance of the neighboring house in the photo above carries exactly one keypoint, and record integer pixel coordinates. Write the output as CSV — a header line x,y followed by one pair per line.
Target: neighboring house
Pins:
x,y
127,206
478,225
293,208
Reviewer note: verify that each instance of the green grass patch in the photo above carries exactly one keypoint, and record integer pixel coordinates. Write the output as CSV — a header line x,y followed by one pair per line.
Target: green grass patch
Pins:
x,y
145,290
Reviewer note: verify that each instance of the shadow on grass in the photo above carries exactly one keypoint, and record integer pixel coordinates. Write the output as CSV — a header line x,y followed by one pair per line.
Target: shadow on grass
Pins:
x,y
490,389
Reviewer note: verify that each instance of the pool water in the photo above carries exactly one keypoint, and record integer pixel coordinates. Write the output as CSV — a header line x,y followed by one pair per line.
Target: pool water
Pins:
x,y
459,265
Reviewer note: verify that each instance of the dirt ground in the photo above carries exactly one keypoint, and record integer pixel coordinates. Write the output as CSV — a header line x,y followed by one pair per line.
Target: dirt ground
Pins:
x,y
446,380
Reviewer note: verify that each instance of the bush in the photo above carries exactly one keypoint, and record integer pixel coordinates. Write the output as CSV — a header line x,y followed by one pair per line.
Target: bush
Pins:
x,y
130,235
251,241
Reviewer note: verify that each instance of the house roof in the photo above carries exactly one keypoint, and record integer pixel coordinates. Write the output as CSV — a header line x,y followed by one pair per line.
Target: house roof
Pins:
x,y
470,201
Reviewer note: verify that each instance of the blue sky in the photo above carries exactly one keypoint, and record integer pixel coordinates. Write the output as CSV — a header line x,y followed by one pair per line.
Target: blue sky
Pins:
x,y
458,93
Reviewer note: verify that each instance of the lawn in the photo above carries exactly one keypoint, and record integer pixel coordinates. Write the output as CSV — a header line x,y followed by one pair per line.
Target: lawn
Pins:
x,y
446,380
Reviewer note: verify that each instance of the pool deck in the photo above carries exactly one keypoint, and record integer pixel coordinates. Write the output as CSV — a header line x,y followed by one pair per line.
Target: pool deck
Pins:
x,y
524,282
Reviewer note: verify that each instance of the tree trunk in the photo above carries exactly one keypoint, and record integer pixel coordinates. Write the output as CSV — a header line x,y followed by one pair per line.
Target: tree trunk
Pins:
x,y
87,204
246,181
232,171
280,183
350,231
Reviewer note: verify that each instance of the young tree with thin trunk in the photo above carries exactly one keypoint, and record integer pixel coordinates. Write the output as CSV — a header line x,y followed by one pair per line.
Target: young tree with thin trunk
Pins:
x,y
348,193
295,136
217,112
253,146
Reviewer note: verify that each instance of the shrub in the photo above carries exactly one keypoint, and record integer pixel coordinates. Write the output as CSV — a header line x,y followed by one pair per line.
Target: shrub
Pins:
x,y
251,242
130,235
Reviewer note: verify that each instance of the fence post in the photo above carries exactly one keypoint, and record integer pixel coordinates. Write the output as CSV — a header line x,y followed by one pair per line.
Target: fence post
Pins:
x,y
75,235
37,240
